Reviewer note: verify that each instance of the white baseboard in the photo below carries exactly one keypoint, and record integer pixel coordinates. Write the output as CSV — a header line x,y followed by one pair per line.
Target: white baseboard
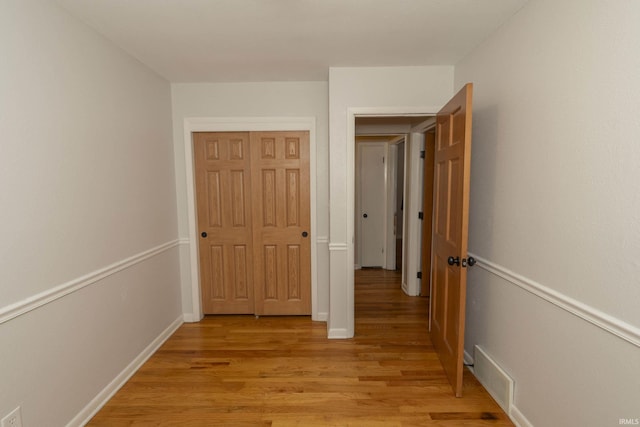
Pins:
x,y
494,379
190,318
338,333
497,382
107,393
405,288
322,316
468,360
518,418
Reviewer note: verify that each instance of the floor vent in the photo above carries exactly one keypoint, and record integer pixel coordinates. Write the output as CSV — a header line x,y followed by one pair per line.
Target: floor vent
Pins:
x,y
493,378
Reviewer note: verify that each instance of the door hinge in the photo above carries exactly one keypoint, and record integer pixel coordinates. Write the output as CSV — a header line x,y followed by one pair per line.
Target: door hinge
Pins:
x,y
382,159
420,215
419,274
422,154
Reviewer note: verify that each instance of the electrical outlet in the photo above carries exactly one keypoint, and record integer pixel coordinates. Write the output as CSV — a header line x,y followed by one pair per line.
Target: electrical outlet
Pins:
x,y
14,419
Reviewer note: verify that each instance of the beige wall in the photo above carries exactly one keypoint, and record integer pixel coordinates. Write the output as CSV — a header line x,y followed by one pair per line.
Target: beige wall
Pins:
x,y
555,208
89,272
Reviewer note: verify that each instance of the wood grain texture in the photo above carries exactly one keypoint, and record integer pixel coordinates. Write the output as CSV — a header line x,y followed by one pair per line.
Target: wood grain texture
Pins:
x,y
451,198
281,206
223,193
283,371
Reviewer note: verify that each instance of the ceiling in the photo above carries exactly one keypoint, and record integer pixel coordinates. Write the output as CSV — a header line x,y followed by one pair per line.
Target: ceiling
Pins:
x,y
290,40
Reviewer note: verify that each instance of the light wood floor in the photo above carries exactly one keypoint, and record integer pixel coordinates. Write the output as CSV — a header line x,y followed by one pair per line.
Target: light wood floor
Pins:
x,y
283,371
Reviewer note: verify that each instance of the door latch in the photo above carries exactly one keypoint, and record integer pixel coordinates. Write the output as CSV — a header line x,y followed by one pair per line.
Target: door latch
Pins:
x,y
471,261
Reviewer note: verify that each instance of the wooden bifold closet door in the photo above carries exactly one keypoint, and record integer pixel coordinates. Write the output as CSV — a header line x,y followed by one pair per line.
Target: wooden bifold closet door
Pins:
x,y
253,206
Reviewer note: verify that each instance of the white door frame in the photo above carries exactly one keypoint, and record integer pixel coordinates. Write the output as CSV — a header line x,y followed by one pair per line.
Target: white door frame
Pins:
x,y
391,197
245,124
412,225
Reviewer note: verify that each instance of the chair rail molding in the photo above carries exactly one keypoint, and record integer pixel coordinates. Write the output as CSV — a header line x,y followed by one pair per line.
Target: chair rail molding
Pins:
x,y
609,323
38,300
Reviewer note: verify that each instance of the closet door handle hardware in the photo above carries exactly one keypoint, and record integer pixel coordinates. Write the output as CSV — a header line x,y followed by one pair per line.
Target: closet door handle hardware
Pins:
x,y
305,234
203,234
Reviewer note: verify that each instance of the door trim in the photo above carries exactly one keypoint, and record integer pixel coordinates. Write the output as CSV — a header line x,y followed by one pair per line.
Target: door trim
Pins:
x,y
391,199
245,124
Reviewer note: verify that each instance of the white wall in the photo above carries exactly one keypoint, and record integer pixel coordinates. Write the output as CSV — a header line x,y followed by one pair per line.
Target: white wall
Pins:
x,y
555,208
89,272
255,100
365,91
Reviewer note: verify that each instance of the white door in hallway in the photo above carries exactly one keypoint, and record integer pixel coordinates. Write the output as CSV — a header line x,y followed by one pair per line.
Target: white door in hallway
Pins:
x,y
372,203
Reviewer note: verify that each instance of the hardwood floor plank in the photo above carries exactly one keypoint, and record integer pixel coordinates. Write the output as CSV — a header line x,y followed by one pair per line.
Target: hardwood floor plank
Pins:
x,y
283,371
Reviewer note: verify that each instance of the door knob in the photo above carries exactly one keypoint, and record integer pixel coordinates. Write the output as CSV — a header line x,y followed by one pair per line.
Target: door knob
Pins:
x,y
453,261
305,234
203,234
365,215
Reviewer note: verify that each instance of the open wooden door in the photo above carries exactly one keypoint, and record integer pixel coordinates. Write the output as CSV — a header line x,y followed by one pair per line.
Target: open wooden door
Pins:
x,y
450,232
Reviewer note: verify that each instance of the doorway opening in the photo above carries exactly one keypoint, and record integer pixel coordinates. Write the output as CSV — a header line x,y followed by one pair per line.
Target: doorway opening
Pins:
x,y
387,224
